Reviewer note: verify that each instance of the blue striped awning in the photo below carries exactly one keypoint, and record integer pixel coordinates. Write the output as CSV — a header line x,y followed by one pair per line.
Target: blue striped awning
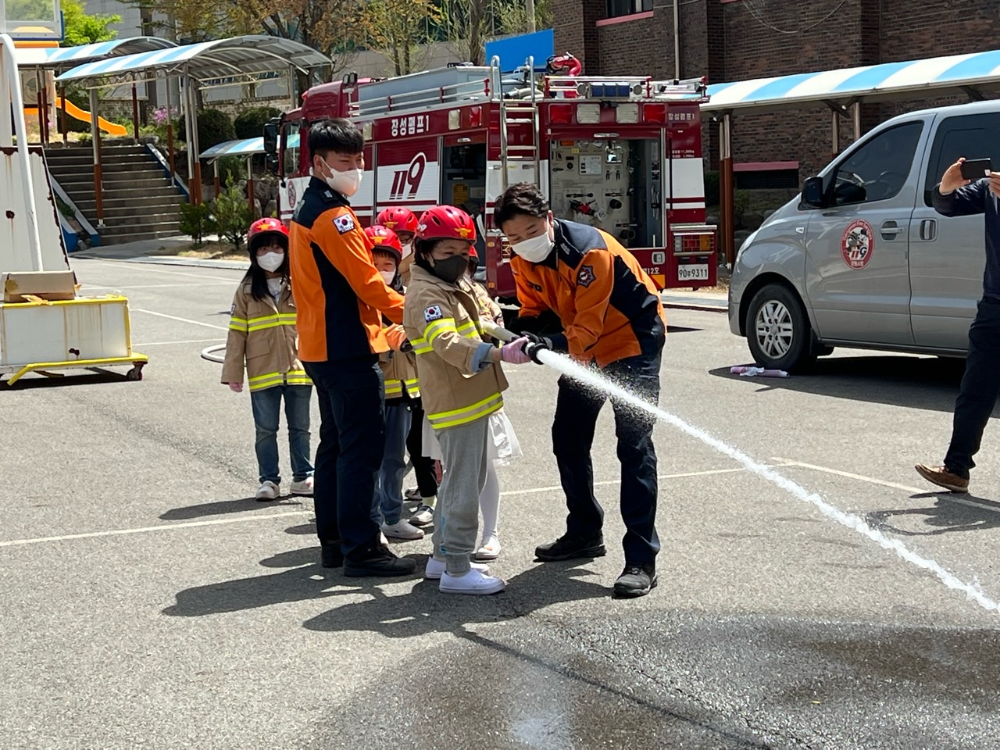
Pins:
x,y
206,61
916,79
64,58
245,147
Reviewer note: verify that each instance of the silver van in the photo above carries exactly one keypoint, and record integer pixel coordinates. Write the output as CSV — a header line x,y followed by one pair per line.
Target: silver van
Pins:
x,y
860,258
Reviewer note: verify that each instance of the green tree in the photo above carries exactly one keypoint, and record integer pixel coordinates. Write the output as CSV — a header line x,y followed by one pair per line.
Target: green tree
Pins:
x,y
81,28
232,214
399,26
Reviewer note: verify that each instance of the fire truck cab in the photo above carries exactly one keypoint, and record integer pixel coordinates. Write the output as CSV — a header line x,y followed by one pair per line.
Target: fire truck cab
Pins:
x,y
623,154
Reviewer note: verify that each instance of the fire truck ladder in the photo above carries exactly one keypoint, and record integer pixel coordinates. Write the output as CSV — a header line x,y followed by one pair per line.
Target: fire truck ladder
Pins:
x,y
520,113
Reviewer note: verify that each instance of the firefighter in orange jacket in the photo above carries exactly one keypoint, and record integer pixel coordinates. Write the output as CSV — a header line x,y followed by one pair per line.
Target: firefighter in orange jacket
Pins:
x,y
341,299
612,318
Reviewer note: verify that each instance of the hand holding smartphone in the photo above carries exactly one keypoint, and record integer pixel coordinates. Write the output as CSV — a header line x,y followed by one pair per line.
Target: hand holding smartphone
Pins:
x,y
976,169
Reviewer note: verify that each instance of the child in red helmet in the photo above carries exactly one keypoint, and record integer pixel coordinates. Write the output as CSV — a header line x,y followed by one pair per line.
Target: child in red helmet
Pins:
x,y
401,391
403,222
263,341
461,386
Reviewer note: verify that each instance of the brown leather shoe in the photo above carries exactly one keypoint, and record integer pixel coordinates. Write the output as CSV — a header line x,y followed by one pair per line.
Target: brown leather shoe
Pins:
x,y
940,476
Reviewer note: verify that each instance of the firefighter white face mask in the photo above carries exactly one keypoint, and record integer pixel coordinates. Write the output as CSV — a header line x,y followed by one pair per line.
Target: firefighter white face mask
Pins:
x,y
407,248
534,250
388,276
345,183
271,261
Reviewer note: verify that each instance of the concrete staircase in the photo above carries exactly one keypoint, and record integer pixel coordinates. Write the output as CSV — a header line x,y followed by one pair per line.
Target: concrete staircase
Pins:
x,y
140,203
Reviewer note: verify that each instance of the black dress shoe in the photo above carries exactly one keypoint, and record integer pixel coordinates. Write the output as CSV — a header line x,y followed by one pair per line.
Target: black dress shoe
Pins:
x,y
569,547
330,554
378,560
635,580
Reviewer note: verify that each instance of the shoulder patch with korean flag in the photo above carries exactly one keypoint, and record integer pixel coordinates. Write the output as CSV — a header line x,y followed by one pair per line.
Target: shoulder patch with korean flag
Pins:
x,y
344,223
585,276
433,313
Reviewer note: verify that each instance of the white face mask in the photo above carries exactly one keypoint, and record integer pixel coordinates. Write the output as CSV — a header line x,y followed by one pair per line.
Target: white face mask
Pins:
x,y
271,261
534,250
407,248
345,183
388,276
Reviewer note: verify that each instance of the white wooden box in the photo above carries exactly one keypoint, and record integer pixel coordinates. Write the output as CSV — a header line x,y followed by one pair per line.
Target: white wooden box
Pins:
x,y
79,329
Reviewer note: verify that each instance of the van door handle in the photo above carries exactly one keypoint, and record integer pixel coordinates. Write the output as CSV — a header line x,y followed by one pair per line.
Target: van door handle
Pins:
x,y
890,229
928,229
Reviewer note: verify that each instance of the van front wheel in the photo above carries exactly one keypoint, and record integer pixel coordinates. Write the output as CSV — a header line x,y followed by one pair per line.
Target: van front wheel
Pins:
x,y
778,329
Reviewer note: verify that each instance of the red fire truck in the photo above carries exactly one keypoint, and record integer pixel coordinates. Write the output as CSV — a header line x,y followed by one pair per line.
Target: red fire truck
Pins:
x,y
623,154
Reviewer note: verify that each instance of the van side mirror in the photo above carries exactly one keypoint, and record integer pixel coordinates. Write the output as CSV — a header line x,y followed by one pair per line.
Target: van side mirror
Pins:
x,y
812,192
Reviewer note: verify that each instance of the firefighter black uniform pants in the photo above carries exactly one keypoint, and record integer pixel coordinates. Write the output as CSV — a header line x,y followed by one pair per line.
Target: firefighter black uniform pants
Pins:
x,y
577,408
979,391
351,445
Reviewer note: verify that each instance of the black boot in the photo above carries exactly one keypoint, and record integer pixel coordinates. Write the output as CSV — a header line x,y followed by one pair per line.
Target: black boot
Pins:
x,y
569,547
635,580
330,554
378,560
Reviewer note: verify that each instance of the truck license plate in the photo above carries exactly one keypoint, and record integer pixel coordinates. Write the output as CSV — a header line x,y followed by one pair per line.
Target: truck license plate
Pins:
x,y
693,272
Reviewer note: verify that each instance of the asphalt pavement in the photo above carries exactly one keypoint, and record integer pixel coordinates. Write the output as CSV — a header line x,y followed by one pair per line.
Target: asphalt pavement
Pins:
x,y
148,601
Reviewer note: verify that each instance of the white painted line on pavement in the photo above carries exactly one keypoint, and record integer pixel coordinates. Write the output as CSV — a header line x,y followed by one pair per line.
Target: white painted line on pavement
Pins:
x,y
168,343
120,287
163,527
942,493
194,524
143,267
181,320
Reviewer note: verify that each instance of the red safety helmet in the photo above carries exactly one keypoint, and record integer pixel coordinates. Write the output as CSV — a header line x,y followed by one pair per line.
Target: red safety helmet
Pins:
x,y
446,223
385,239
264,229
398,219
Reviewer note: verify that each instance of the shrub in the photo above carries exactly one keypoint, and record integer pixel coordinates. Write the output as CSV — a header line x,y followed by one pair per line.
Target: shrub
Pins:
x,y
214,127
232,168
250,122
197,221
232,214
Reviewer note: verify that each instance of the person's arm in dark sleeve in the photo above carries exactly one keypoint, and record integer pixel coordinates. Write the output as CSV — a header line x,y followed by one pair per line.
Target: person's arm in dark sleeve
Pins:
x,y
966,201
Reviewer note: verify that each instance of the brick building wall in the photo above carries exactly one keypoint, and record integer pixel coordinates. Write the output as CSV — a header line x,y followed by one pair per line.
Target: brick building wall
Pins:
x,y
734,40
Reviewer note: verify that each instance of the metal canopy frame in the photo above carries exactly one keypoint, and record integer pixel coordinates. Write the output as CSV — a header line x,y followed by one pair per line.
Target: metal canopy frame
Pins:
x,y
223,62
841,91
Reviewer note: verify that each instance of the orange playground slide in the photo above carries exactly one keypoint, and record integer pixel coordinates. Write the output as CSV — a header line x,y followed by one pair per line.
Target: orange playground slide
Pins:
x,y
78,114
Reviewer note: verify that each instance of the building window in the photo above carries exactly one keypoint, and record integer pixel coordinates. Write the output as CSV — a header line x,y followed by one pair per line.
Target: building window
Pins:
x,y
619,8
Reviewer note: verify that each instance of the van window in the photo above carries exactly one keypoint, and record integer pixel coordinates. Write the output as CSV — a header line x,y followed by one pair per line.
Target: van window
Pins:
x,y
878,170
971,136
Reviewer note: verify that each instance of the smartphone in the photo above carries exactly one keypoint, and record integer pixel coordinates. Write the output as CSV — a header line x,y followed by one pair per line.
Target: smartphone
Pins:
x,y
976,169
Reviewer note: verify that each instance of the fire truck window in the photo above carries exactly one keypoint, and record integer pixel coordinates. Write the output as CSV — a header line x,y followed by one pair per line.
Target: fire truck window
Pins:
x,y
464,184
610,184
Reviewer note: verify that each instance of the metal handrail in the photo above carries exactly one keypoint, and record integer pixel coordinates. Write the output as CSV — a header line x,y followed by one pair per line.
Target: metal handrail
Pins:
x,y
467,91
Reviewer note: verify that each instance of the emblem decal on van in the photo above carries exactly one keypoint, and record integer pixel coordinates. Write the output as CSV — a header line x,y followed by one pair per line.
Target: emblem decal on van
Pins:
x,y
857,244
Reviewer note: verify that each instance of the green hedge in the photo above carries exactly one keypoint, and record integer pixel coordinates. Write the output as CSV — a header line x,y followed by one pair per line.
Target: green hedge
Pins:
x,y
250,122
214,127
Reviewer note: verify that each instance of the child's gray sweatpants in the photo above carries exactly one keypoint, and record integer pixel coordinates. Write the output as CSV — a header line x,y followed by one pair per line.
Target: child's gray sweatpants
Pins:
x,y
456,517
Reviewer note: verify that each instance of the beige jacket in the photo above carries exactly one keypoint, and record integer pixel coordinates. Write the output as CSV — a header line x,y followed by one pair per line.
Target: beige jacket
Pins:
x,y
442,323
262,334
400,372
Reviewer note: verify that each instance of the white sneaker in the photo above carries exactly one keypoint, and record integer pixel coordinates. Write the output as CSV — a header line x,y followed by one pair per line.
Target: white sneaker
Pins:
x,y
422,516
435,569
267,491
489,549
474,582
402,530
305,487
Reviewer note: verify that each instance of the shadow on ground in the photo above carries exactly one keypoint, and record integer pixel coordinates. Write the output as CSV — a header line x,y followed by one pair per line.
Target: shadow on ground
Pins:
x,y
916,382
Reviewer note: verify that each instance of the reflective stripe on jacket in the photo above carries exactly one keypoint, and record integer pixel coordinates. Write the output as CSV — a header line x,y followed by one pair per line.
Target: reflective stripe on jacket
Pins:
x,y
446,338
263,341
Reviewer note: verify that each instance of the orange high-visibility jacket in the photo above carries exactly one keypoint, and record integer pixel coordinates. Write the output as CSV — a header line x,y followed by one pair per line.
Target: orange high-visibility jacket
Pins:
x,y
609,307
340,294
